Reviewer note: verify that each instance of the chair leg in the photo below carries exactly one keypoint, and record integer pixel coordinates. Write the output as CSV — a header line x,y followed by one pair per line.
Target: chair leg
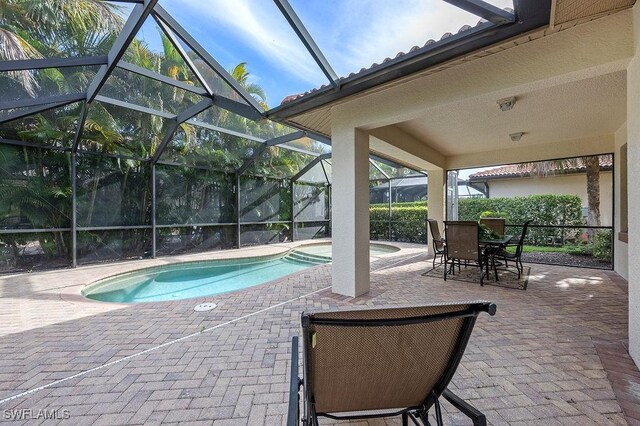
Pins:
x,y
438,413
467,409
445,267
405,419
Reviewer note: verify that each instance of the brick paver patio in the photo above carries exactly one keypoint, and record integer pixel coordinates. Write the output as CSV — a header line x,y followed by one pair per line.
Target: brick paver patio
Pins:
x,y
540,360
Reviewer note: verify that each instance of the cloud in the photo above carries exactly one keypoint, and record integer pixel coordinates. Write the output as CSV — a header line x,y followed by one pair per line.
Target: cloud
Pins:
x,y
351,33
355,33
259,27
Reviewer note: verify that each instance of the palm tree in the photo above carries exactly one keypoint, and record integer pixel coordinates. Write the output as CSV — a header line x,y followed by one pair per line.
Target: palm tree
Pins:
x,y
592,166
593,189
48,28
242,75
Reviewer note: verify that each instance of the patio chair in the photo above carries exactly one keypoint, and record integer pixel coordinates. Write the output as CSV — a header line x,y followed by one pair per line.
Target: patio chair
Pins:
x,y
496,224
463,244
437,241
382,362
516,257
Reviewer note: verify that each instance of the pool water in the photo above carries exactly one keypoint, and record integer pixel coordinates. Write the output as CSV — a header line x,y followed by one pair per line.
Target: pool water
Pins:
x,y
197,279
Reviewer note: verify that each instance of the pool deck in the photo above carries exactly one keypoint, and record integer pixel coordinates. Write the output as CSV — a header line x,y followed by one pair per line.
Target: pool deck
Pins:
x,y
553,354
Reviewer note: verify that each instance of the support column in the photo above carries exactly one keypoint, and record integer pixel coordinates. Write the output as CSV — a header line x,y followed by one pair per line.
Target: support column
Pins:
x,y
74,211
435,199
350,215
154,232
390,202
293,211
237,205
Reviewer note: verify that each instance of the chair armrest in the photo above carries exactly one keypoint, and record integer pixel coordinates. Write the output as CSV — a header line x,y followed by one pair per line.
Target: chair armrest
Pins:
x,y
293,418
467,409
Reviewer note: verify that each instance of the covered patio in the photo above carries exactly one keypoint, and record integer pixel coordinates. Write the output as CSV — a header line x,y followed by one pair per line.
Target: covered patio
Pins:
x,y
565,351
555,353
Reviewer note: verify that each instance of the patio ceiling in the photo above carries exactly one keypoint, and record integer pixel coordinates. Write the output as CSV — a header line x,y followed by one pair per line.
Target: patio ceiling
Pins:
x,y
576,110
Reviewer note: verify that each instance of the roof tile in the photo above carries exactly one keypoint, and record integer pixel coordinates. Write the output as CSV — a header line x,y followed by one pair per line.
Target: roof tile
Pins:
x,y
462,29
525,169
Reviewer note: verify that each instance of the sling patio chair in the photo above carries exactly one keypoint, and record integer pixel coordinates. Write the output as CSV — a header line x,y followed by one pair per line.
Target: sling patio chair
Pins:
x,y
495,224
437,241
363,364
505,256
463,245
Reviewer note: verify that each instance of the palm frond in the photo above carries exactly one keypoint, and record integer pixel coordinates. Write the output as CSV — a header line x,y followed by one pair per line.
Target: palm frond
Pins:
x,y
13,47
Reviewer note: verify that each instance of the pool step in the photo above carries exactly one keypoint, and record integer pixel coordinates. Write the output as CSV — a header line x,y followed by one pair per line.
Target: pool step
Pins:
x,y
297,256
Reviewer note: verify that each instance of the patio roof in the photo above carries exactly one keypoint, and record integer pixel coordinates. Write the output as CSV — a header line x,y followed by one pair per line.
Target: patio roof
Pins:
x,y
314,112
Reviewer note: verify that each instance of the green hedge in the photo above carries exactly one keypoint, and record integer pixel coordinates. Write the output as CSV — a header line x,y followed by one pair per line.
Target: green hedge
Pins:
x,y
540,209
422,204
408,222
409,219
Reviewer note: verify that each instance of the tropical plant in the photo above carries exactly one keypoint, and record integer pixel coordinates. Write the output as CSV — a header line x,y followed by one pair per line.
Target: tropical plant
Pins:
x,y
50,28
242,75
568,165
113,187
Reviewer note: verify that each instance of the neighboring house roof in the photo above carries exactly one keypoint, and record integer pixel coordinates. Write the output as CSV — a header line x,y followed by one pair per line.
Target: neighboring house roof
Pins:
x,y
526,169
429,42
406,182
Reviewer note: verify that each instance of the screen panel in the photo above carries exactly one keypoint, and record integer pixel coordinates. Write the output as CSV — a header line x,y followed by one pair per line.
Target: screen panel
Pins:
x,y
194,239
312,230
201,147
311,202
35,188
112,245
21,252
264,200
193,196
271,233
55,127
112,191
116,130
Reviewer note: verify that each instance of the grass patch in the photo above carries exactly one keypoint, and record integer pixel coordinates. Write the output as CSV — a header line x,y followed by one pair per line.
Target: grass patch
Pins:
x,y
568,248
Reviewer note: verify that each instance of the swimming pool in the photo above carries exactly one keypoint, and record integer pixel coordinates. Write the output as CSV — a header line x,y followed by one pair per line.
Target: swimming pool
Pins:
x,y
196,279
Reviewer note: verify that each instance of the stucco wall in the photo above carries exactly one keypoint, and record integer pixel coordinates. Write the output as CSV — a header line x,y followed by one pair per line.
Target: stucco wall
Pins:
x,y
621,258
633,163
558,185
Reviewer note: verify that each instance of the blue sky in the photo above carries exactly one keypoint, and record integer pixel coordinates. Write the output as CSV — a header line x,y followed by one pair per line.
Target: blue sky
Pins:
x,y
351,33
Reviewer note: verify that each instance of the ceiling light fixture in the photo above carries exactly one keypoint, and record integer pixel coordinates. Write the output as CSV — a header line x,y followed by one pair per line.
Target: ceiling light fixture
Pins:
x,y
507,104
515,137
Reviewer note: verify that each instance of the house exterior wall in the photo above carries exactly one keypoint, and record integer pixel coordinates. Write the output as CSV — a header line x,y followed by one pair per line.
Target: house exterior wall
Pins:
x,y
559,185
633,167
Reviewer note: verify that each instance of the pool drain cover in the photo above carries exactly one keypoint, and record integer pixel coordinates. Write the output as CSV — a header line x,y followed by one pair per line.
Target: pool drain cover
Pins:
x,y
203,307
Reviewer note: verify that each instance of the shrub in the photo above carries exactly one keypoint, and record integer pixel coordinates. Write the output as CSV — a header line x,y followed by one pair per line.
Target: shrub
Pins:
x,y
489,213
409,222
540,209
602,245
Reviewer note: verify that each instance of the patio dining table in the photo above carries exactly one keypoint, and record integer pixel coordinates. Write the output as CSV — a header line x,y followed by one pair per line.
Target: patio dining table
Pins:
x,y
495,245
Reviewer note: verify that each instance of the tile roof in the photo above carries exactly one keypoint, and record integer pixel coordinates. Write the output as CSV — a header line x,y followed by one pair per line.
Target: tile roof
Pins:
x,y
525,169
464,28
